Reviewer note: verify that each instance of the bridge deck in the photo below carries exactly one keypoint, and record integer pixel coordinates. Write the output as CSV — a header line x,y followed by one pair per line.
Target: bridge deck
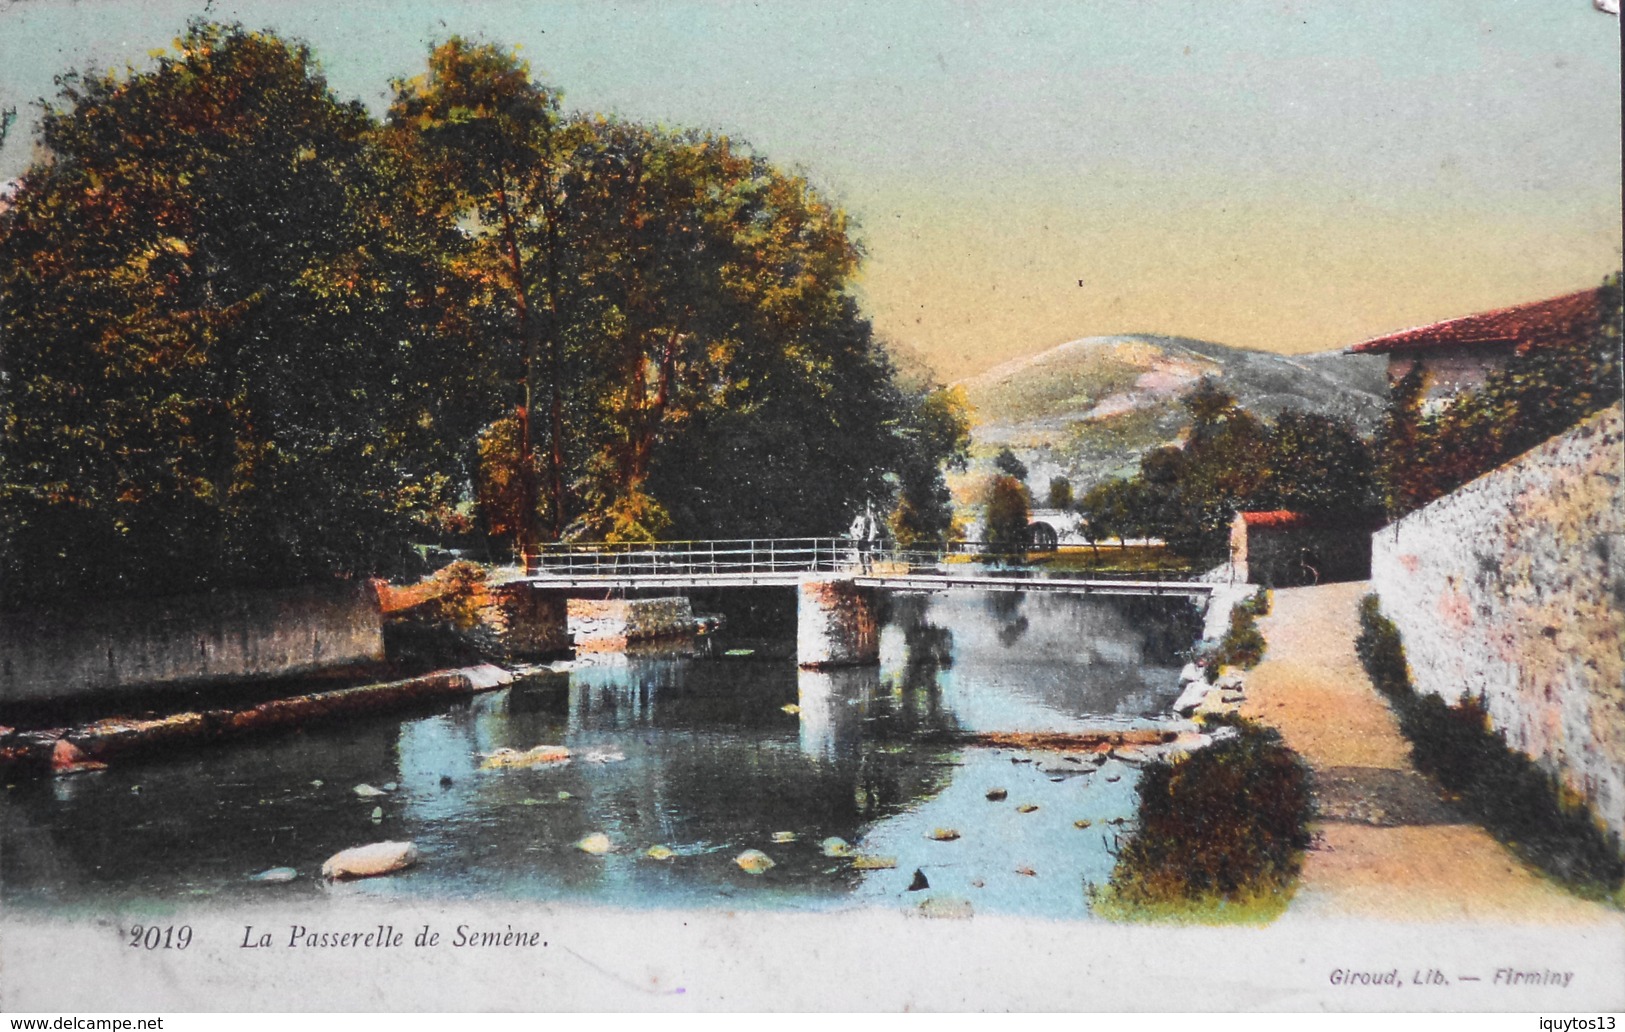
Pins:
x,y
786,562
913,581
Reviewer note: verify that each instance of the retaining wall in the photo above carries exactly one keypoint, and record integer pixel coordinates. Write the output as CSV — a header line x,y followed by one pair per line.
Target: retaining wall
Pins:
x,y
225,636
1512,589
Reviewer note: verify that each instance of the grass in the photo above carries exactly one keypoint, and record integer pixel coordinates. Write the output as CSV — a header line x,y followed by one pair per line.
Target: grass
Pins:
x,y
1110,559
1221,837
1523,806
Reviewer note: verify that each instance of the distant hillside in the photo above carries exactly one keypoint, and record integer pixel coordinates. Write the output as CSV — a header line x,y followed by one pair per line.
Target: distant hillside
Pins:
x,y
1088,408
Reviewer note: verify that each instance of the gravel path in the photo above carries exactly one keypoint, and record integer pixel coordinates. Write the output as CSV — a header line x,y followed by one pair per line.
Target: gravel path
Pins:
x,y
1386,843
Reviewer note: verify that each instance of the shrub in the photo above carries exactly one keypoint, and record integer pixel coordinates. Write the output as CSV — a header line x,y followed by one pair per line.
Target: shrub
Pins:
x,y
1243,644
1226,826
1519,803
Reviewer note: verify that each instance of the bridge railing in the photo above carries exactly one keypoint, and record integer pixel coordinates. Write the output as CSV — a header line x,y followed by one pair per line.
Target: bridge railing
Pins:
x,y
767,556
729,556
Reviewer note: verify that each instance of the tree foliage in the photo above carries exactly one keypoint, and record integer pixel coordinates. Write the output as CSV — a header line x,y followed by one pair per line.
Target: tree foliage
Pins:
x,y
218,328
1060,493
252,336
1007,517
1232,461
1009,465
1423,453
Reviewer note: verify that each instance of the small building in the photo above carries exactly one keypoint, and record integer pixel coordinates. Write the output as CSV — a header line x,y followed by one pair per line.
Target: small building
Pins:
x,y
1281,549
1459,354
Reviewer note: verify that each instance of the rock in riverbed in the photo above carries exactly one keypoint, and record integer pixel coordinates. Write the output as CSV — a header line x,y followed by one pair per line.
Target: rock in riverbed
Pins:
x,y
275,875
596,844
541,755
370,861
997,795
366,791
753,861
942,834
836,846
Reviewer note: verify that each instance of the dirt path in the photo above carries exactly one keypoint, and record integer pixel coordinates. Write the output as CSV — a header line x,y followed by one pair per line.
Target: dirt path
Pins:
x,y
1386,845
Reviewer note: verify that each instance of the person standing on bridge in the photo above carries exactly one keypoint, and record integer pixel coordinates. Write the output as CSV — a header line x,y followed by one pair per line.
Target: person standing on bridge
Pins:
x,y
866,532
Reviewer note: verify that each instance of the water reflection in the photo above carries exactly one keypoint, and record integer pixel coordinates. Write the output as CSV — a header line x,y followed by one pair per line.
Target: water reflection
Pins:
x,y
705,756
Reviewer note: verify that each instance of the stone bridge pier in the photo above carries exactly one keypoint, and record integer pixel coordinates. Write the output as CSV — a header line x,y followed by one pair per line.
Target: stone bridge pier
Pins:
x,y
837,623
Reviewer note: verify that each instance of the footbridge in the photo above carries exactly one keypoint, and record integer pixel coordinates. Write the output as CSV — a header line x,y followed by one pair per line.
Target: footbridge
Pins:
x,y
837,581
788,562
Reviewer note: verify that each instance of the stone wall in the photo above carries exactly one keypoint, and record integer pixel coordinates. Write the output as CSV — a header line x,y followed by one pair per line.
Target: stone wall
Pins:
x,y
519,622
225,636
1512,589
610,624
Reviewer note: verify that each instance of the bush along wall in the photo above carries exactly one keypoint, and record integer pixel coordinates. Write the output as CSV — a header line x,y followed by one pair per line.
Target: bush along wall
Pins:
x,y
1243,643
1221,835
1523,806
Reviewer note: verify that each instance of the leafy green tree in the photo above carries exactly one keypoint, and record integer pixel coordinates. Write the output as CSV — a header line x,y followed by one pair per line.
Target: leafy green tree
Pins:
x,y
1060,493
221,338
1007,464
1007,517
937,433
1319,465
479,125
1114,508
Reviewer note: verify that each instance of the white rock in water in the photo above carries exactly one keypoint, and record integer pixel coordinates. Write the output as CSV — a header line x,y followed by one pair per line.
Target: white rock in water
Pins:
x,y
603,756
597,844
836,846
368,792
753,861
368,861
275,875
784,836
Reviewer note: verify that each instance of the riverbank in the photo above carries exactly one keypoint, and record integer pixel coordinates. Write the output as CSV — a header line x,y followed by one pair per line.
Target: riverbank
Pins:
x,y
1385,845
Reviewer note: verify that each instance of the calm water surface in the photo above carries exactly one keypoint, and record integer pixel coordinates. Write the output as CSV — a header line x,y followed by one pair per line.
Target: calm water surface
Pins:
x,y
714,763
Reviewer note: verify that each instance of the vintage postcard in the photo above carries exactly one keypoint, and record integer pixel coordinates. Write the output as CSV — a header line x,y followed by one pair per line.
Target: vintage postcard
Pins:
x,y
716,506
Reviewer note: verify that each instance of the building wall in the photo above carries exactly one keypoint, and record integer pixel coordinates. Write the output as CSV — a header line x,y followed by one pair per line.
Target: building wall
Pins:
x,y
1451,370
1276,556
1512,589
226,636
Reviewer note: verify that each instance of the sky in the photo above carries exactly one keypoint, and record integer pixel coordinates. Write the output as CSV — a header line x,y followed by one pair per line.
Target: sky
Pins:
x,y
1285,176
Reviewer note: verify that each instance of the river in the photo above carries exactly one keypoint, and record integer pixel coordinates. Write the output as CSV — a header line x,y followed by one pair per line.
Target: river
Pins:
x,y
705,752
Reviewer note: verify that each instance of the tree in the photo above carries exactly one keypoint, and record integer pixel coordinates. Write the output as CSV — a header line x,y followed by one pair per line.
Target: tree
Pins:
x,y
1007,463
220,334
1114,508
479,124
1060,493
1007,518
1319,465
937,433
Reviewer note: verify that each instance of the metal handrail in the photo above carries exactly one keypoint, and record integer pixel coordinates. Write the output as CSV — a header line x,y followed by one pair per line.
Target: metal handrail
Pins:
x,y
766,556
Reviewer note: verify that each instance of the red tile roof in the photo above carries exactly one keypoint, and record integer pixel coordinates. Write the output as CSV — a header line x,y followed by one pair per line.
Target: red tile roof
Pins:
x,y
1276,518
1539,322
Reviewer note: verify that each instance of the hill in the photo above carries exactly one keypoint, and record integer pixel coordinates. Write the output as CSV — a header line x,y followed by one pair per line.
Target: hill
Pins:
x,y
1088,408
